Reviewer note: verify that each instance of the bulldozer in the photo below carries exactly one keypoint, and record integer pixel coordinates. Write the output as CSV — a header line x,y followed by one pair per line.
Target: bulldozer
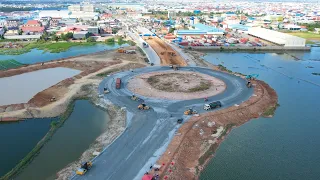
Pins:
x,y
53,99
134,98
190,111
143,107
105,90
85,166
249,84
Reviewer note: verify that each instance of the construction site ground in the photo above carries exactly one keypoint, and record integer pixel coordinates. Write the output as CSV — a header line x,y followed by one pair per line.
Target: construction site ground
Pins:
x,y
176,85
167,55
89,65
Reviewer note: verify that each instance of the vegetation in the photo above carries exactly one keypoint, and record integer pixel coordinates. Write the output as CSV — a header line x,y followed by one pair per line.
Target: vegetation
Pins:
x,y
223,68
110,41
91,39
310,27
202,87
307,35
30,156
270,111
9,64
11,9
141,51
121,40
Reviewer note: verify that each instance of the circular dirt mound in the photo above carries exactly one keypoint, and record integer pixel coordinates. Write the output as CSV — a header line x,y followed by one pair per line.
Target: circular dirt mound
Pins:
x,y
178,85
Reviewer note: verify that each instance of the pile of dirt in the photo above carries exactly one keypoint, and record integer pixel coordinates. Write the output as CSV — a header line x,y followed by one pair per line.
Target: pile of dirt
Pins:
x,y
176,85
166,53
197,140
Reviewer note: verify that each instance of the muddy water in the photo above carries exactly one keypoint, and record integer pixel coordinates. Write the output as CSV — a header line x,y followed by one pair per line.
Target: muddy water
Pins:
x,y
35,55
287,145
21,88
81,129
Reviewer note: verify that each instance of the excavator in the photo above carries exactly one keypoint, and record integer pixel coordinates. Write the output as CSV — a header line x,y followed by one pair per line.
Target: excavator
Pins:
x,y
105,90
85,166
143,107
249,84
190,111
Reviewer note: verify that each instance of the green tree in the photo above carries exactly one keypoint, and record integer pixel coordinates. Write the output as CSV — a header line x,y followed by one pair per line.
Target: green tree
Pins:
x,y
91,39
110,40
55,38
20,32
171,30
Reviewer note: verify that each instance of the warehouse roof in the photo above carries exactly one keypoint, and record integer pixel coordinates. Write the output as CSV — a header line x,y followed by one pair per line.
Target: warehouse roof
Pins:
x,y
204,27
239,26
191,32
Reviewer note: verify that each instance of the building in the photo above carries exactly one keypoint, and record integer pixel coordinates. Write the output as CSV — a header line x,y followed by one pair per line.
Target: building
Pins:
x,y
278,38
54,13
93,30
1,31
22,37
86,7
81,35
67,21
3,23
75,7
54,22
33,26
13,24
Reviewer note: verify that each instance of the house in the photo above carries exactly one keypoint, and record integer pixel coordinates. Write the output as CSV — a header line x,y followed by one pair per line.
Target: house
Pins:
x,y
80,35
93,30
1,31
54,22
105,16
33,26
13,24
106,30
12,32
3,23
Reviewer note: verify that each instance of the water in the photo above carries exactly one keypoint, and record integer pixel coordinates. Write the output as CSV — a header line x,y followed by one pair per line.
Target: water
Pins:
x,y
285,146
81,129
35,55
31,83
18,139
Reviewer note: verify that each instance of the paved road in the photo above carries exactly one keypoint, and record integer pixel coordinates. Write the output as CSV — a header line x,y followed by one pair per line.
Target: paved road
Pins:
x,y
149,132
151,54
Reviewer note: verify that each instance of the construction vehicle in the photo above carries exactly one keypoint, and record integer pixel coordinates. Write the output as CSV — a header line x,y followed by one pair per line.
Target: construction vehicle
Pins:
x,y
190,111
130,51
143,107
121,50
135,98
212,105
174,67
249,84
145,45
179,121
105,90
118,83
53,99
85,166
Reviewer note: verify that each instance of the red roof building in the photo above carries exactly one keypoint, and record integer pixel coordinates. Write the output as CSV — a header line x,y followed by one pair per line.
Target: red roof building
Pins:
x,y
33,26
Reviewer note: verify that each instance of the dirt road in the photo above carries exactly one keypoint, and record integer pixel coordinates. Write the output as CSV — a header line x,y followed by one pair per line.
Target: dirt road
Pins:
x,y
166,53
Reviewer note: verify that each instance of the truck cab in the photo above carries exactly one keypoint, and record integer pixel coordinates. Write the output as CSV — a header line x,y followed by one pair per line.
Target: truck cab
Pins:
x,y
212,105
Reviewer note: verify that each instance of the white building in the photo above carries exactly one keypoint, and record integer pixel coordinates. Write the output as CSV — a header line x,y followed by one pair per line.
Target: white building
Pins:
x,y
54,14
275,37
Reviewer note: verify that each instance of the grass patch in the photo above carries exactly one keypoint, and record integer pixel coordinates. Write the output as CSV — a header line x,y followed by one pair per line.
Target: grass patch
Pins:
x,y
104,74
33,153
203,86
270,111
207,154
223,68
316,74
9,64
306,35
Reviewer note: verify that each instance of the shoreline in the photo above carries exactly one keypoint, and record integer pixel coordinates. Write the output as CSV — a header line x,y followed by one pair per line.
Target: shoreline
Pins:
x,y
247,48
189,152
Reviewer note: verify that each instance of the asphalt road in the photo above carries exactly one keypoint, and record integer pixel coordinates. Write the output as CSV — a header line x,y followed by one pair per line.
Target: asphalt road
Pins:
x,y
149,132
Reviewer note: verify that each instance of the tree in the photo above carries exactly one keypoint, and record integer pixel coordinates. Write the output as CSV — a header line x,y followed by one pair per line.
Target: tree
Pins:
x,y
20,32
91,39
110,40
171,30
55,37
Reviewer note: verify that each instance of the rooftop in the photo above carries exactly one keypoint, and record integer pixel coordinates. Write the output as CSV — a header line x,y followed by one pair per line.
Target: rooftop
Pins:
x,y
206,28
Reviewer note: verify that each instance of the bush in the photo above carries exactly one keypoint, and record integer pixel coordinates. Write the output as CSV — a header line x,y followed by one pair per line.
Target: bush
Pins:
x,y
110,40
91,39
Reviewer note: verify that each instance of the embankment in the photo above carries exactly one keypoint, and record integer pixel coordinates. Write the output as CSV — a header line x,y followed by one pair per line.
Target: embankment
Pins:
x,y
247,48
196,141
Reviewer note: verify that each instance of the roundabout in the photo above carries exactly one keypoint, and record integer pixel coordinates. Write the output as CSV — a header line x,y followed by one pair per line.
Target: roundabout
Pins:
x,y
149,132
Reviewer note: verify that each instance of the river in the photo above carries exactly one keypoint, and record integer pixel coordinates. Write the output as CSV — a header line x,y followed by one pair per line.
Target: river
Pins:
x,y
80,130
287,145
36,55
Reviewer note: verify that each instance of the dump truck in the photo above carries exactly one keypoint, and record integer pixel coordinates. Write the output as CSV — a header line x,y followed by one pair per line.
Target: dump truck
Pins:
x,y
179,121
105,90
143,107
121,51
85,166
118,83
145,45
212,105
190,111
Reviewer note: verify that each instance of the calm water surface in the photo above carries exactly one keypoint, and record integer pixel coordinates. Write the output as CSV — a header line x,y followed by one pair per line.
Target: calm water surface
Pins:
x,y
35,55
81,129
287,145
